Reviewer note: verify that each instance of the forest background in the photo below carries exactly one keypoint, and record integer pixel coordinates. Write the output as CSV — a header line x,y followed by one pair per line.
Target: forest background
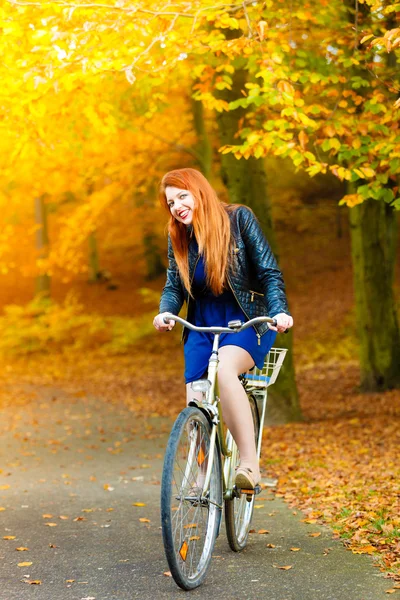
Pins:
x,y
289,107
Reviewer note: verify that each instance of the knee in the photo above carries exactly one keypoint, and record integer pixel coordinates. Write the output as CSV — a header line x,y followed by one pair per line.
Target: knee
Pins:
x,y
226,373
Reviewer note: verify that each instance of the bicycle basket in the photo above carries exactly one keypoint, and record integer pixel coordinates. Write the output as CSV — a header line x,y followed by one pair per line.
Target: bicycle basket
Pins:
x,y
266,376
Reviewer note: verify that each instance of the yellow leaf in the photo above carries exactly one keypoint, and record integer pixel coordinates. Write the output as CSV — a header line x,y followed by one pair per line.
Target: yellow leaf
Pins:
x,y
363,550
24,564
366,37
167,573
144,520
263,531
316,534
139,504
303,139
295,549
51,524
33,581
285,568
4,487
286,87
21,548
351,200
9,537
2,508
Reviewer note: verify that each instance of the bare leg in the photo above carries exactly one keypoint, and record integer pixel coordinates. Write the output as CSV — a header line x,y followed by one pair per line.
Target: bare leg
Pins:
x,y
235,405
191,395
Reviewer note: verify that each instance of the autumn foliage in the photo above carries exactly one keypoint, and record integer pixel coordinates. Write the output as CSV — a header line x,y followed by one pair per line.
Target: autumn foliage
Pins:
x,y
97,104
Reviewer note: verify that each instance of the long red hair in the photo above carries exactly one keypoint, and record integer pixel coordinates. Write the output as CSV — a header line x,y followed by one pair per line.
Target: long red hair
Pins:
x,y
211,226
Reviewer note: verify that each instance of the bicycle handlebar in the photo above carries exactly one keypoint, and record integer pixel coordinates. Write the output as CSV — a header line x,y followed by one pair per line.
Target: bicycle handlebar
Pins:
x,y
233,326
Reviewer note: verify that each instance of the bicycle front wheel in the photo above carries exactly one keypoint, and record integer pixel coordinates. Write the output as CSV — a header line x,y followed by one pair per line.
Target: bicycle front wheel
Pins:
x,y
238,510
190,514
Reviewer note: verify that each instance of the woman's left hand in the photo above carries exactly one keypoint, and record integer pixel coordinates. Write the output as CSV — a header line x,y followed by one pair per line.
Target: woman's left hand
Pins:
x,y
283,321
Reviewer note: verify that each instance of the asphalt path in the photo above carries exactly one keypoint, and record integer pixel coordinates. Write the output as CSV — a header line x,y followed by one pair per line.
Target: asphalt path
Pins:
x,y
74,469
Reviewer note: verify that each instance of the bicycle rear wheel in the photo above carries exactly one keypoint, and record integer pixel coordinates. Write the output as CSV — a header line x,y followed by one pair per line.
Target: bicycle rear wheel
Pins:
x,y
190,515
238,510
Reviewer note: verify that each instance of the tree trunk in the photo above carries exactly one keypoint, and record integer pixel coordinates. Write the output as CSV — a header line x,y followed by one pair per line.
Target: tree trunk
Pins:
x,y
154,264
42,283
94,269
246,181
374,235
203,147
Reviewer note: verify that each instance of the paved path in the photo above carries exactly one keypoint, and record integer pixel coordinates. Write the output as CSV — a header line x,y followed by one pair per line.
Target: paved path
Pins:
x,y
81,463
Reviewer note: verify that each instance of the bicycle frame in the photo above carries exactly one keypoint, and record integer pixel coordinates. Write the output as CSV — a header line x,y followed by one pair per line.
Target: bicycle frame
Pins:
x,y
211,403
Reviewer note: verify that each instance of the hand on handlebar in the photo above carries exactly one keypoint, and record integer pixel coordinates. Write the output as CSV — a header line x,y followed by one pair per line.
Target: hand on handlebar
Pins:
x,y
161,325
283,323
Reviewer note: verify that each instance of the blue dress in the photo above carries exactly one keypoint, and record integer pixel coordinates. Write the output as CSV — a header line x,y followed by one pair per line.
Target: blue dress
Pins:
x,y
213,310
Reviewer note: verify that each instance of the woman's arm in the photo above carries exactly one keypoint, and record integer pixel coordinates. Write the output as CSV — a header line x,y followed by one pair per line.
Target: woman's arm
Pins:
x,y
264,262
172,296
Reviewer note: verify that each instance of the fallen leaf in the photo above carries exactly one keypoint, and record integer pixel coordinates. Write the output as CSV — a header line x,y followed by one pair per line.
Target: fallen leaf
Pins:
x,y
252,531
263,531
108,487
80,519
286,568
21,549
33,581
259,506
51,524
139,504
309,521
2,508
4,487
363,550
167,573
143,520
63,517
391,591
190,526
295,549
9,537
194,537
271,546
47,516
316,534
24,564
69,580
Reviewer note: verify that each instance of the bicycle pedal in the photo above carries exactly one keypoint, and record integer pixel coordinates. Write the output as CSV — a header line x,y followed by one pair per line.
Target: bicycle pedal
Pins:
x,y
251,492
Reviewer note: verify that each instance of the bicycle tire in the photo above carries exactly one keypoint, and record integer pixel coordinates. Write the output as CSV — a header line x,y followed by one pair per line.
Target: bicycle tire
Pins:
x,y
190,524
238,510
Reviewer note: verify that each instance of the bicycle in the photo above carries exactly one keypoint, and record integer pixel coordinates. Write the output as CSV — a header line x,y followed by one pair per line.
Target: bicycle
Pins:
x,y
199,466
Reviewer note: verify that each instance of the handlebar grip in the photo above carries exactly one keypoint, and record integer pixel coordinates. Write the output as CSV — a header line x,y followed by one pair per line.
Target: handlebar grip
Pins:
x,y
166,321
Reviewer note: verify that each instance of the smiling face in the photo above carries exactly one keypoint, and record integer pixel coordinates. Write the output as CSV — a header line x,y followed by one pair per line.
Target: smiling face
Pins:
x,y
180,203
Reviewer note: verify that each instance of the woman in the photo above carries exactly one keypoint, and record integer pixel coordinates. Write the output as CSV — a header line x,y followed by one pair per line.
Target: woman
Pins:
x,y
222,265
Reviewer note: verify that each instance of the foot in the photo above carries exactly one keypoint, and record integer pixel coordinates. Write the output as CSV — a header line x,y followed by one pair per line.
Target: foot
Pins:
x,y
246,478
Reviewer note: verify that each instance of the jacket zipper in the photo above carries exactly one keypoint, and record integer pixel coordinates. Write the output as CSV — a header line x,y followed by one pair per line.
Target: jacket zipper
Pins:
x,y
233,291
256,293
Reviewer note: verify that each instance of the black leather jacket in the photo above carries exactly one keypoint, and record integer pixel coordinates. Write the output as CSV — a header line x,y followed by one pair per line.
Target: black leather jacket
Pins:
x,y
254,276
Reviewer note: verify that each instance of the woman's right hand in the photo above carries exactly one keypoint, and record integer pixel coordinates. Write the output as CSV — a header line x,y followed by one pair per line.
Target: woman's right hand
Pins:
x,y
159,324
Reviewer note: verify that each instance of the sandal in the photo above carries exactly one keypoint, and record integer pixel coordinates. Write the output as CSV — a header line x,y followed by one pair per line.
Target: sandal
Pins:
x,y
245,478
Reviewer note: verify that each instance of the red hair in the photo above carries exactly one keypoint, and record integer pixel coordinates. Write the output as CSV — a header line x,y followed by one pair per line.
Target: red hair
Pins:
x,y
211,226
